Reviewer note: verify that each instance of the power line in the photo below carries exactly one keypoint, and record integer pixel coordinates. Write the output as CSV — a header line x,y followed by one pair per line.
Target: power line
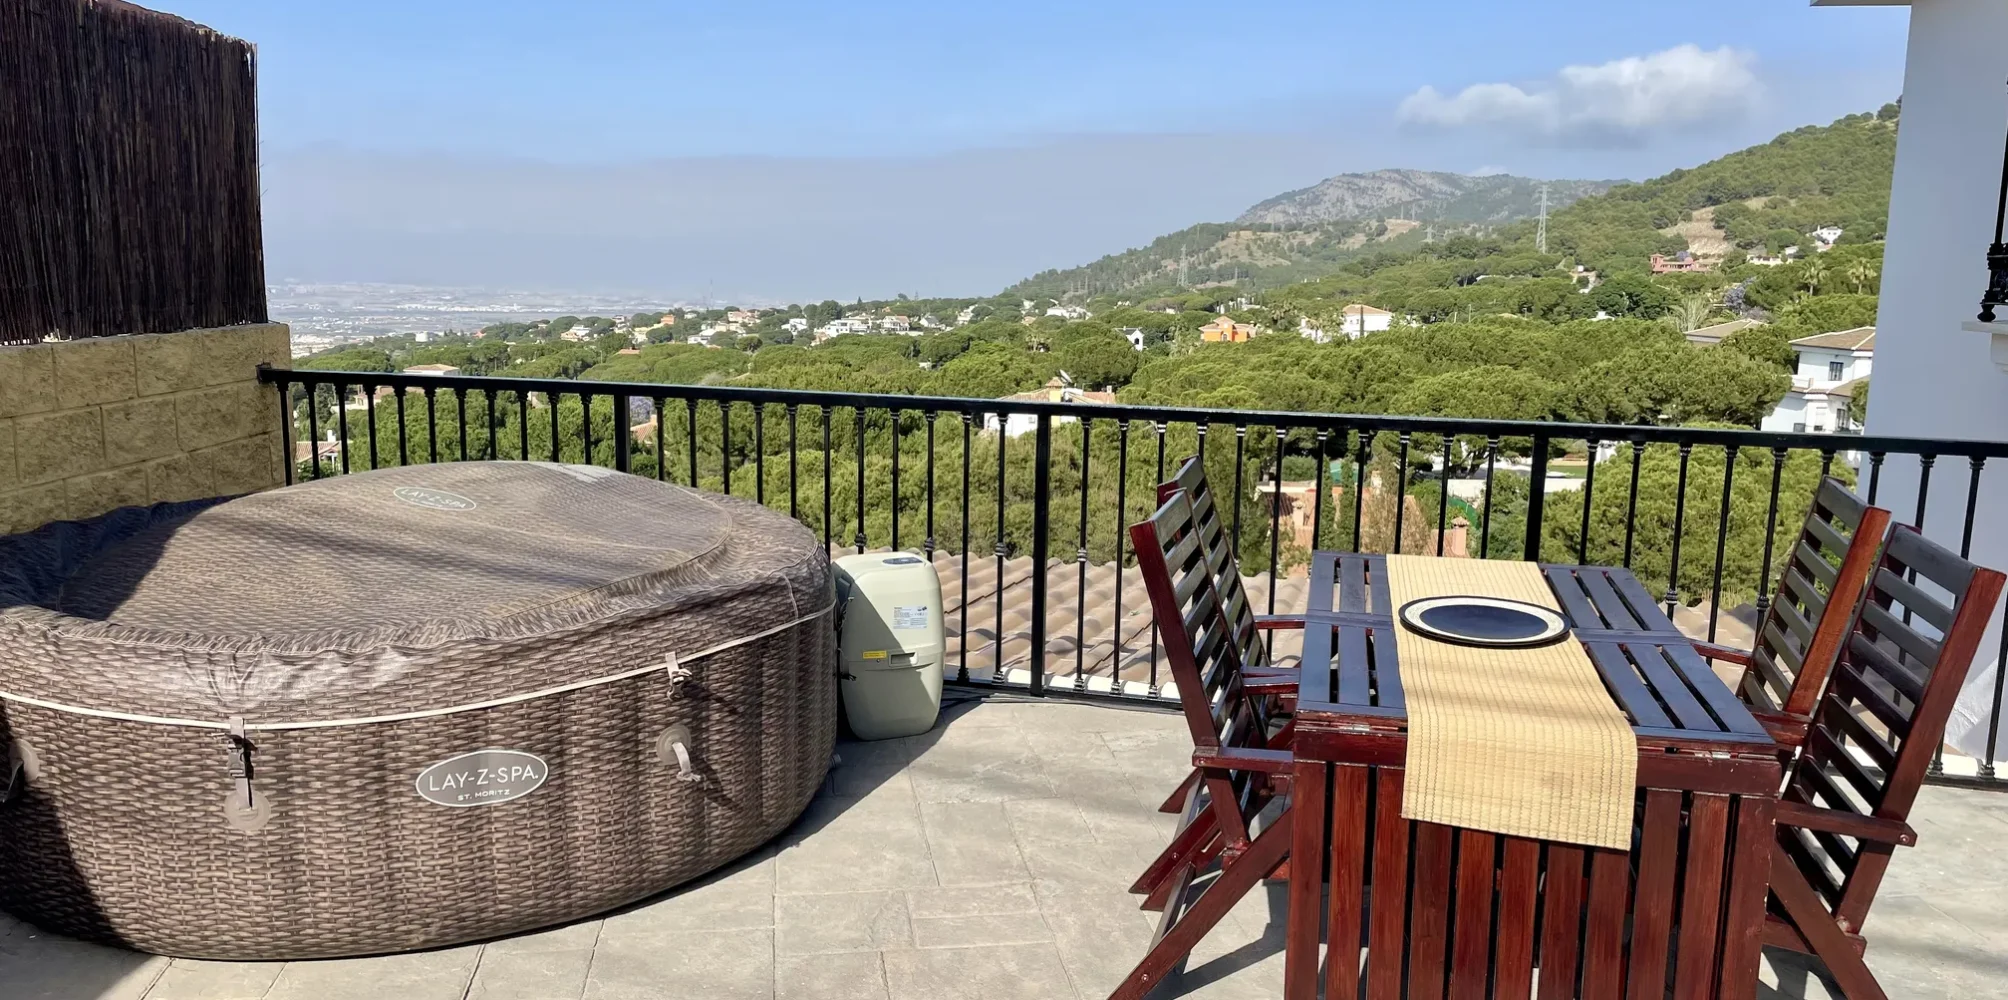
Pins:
x,y
1541,232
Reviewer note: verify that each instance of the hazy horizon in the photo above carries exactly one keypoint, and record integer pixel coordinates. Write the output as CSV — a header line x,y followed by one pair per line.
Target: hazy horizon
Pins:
x,y
782,152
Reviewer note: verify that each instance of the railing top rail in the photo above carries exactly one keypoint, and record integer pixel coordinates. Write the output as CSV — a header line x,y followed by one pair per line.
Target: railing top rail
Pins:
x,y
1549,430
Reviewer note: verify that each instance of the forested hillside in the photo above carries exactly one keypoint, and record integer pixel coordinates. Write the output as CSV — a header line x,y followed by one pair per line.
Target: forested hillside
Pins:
x,y
1419,194
1484,326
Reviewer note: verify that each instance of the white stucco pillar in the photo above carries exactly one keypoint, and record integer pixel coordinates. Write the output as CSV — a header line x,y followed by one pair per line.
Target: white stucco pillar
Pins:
x,y
1932,378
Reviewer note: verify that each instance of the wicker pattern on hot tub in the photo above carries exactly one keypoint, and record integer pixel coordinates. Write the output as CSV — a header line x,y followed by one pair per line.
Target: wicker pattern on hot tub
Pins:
x,y
293,609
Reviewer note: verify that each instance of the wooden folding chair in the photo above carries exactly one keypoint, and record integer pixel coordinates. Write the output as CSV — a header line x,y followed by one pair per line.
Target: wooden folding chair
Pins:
x,y
1802,633
1258,677
1876,728
1240,774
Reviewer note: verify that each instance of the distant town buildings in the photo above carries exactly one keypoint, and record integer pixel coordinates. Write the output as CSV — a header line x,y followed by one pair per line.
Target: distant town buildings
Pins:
x,y
1831,367
576,334
1058,389
1680,263
1358,320
742,316
1225,331
1709,336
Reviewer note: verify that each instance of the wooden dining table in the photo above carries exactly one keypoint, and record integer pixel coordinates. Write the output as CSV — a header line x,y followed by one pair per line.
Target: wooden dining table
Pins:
x,y
1445,912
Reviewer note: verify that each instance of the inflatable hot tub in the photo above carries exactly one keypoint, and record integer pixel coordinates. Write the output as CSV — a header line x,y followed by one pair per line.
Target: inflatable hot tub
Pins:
x,y
403,708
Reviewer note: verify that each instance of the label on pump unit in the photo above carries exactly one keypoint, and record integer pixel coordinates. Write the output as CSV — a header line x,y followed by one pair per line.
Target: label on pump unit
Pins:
x,y
905,616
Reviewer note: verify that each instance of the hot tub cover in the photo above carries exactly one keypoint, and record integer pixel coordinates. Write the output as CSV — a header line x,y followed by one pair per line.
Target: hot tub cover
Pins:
x,y
224,713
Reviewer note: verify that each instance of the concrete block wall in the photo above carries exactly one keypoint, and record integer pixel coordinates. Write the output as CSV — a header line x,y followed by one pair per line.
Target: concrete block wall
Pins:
x,y
90,425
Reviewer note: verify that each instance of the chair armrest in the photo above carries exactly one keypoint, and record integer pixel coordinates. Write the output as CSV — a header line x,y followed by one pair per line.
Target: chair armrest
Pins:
x,y
1846,824
1785,730
1729,654
1279,621
1244,759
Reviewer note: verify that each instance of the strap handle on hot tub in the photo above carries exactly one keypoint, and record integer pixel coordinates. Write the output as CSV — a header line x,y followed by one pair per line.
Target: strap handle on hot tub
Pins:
x,y
678,674
240,762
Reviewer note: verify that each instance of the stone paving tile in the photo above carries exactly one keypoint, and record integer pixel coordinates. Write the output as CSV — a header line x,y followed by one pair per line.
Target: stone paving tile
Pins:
x,y
1007,972
822,923
853,976
985,915
993,764
740,897
874,842
424,975
719,965
188,979
532,975
971,843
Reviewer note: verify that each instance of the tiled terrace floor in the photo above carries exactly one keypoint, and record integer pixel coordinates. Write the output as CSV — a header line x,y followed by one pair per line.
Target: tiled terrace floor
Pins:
x,y
986,859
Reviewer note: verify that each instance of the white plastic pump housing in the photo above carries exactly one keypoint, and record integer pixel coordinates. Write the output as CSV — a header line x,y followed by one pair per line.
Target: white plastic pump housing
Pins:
x,y
892,644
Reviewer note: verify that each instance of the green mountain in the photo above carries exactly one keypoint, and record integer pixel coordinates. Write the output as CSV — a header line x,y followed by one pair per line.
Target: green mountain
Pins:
x,y
1420,194
1760,199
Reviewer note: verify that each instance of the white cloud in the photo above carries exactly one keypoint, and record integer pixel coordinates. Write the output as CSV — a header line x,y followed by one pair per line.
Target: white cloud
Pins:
x,y
1616,103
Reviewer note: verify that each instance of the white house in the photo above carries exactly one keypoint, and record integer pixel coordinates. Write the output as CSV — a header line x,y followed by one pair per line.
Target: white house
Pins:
x,y
576,333
839,327
1133,334
1825,237
1311,331
1058,389
1068,312
966,316
796,324
896,324
1831,367
1358,320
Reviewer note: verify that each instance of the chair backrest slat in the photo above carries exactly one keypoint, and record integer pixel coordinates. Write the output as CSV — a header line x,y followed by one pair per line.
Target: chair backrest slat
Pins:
x,y
1821,582
1892,692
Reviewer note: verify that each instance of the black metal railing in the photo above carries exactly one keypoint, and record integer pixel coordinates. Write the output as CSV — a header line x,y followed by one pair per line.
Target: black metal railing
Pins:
x,y
1703,511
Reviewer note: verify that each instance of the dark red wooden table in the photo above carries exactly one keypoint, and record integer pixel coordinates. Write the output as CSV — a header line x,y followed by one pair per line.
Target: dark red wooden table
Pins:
x,y
1444,912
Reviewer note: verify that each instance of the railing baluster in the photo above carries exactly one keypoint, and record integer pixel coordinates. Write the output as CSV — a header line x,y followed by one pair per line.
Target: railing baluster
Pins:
x,y
1972,504
623,435
492,450
431,424
794,493
1276,517
1485,516
552,402
1763,602
1240,460
1672,597
1994,711
586,426
858,418
1631,501
725,444
962,647
342,422
661,459
828,539
369,410
1589,498
286,429
1081,562
1924,464
1875,473
894,414
1321,483
1042,483
1360,484
930,416
460,408
1400,485
690,437
760,453
523,424
1537,498
1443,496
1122,516
1729,455
314,428
998,674
1152,691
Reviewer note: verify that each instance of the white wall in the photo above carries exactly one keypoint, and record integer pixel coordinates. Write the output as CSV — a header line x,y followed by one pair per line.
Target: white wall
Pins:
x,y
1933,379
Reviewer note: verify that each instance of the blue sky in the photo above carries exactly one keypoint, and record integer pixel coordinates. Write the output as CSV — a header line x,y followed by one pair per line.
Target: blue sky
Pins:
x,y
371,100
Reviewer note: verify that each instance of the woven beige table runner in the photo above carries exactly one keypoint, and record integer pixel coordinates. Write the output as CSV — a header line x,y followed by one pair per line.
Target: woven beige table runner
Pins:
x,y
1523,742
